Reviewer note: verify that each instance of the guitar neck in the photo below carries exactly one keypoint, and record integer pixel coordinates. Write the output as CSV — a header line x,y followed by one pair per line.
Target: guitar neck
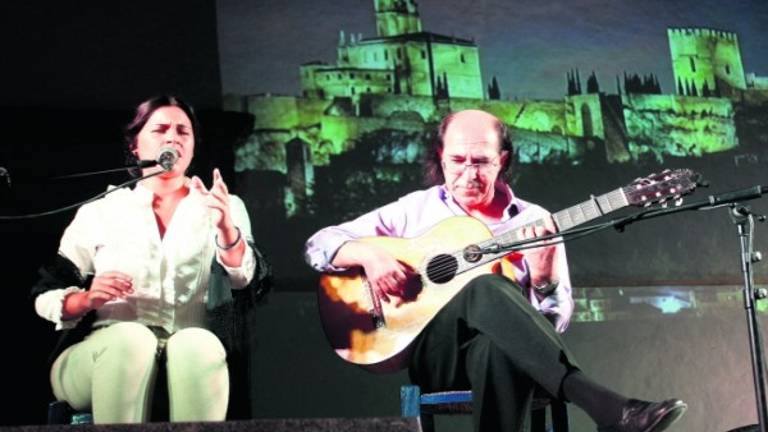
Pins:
x,y
566,219
590,210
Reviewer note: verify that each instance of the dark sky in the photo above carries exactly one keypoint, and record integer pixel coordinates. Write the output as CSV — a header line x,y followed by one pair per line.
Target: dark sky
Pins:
x,y
528,44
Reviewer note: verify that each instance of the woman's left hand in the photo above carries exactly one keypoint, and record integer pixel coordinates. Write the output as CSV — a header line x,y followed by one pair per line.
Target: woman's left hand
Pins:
x,y
217,199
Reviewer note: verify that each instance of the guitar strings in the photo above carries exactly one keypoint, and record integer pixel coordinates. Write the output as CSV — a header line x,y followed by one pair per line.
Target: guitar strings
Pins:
x,y
442,270
447,270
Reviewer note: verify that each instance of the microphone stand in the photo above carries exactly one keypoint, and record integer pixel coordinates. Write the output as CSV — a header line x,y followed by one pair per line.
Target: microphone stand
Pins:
x,y
744,219
139,165
144,163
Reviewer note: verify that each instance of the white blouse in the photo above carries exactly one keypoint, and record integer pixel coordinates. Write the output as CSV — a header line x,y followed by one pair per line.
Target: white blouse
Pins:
x,y
170,275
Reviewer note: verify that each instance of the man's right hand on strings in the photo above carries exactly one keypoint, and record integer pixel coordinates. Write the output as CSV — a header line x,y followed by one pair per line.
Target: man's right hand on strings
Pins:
x,y
386,275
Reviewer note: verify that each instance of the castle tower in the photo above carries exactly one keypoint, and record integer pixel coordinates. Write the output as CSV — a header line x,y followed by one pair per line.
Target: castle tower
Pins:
x,y
705,61
396,17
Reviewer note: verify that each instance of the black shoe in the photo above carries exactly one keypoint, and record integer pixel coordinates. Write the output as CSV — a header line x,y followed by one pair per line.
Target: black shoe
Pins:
x,y
642,416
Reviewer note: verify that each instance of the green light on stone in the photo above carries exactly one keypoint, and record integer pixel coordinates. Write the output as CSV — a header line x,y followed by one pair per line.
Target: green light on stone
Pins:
x,y
762,306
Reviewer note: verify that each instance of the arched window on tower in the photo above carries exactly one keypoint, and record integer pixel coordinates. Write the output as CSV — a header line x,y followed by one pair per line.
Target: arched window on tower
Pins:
x,y
728,69
693,65
461,57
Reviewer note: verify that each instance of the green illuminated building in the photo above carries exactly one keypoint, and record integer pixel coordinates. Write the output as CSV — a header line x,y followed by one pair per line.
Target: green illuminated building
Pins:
x,y
706,62
401,60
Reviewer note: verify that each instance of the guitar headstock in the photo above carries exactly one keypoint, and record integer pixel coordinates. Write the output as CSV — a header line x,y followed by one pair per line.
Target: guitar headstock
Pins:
x,y
662,187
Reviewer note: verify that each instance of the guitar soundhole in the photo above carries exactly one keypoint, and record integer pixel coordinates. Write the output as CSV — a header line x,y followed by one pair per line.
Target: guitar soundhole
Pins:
x,y
442,268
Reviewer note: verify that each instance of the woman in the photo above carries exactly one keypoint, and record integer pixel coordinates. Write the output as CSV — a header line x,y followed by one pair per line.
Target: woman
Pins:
x,y
152,273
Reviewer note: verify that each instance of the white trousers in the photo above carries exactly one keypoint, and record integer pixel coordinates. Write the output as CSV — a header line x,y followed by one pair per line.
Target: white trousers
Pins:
x,y
112,372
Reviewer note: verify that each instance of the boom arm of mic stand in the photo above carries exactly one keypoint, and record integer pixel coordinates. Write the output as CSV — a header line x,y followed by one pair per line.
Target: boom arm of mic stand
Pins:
x,y
711,202
73,206
139,165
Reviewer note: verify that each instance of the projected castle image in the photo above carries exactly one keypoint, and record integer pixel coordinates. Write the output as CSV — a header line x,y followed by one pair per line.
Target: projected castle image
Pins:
x,y
354,134
406,78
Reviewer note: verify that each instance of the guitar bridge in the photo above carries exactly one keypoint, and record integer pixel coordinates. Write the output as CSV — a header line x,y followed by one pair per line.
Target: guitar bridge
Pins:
x,y
378,320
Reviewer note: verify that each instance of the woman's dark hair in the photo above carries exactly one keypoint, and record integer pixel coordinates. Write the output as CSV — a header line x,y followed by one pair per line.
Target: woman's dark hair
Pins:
x,y
143,112
433,168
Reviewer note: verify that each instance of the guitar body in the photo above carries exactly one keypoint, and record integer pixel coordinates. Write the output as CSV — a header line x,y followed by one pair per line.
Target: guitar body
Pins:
x,y
379,340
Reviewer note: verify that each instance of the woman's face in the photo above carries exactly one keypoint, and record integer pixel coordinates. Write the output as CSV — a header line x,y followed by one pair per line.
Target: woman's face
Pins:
x,y
168,126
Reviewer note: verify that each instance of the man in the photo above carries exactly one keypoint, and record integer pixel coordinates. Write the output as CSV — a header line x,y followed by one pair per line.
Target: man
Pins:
x,y
493,337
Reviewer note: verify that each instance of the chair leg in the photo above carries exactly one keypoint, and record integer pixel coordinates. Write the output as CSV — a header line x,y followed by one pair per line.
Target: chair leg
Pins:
x,y
410,401
560,422
538,420
427,422
59,412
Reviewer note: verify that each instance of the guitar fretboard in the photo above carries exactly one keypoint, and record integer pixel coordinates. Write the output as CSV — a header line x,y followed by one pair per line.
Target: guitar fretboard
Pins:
x,y
589,210
565,219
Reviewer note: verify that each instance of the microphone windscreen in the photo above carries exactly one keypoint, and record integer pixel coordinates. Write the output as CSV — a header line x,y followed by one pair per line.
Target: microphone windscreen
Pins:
x,y
167,157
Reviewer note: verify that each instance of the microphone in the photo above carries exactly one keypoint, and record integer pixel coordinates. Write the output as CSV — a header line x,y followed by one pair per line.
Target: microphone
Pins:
x,y
167,157
738,195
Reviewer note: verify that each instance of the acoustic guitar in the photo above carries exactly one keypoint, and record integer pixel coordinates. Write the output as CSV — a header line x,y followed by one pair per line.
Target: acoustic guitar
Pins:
x,y
376,335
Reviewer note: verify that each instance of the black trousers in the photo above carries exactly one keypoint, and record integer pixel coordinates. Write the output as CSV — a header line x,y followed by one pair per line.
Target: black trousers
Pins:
x,y
490,339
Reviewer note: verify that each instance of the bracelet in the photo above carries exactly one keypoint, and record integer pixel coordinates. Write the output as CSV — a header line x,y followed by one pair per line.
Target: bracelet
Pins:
x,y
231,245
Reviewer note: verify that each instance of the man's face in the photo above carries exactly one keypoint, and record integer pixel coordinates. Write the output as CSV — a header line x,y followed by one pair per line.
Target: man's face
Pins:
x,y
472,158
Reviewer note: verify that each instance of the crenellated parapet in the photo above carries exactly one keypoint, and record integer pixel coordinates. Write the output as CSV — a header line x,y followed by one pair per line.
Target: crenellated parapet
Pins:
x,y
706,62
702,32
